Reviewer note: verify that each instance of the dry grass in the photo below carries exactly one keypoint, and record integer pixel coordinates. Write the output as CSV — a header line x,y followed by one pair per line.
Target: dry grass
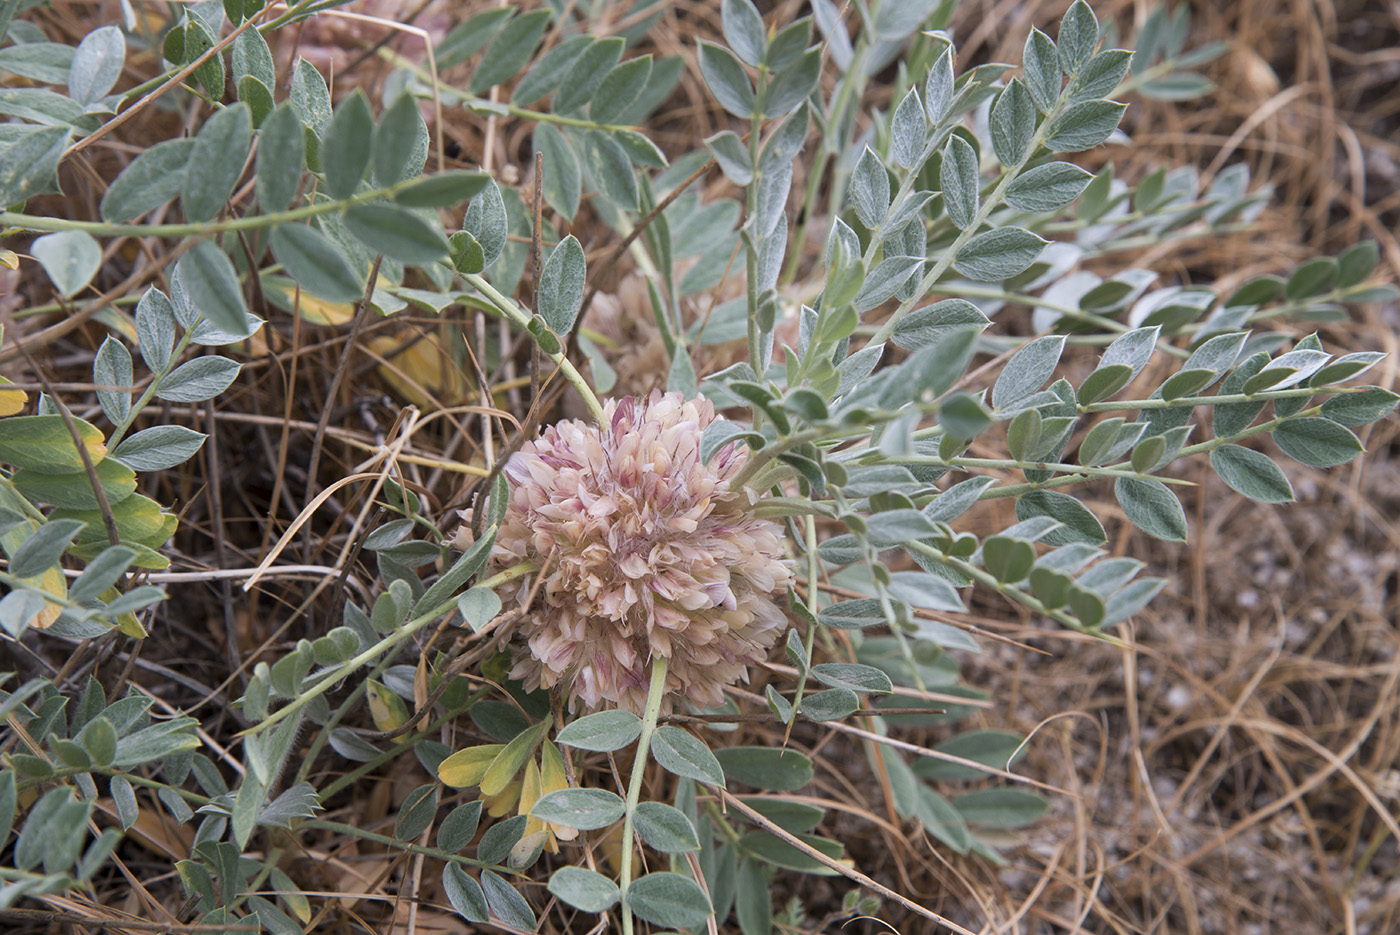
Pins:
x,y
1231,770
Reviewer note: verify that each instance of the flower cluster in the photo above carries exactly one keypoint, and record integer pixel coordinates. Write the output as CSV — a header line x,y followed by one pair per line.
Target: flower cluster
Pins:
x,y
647,552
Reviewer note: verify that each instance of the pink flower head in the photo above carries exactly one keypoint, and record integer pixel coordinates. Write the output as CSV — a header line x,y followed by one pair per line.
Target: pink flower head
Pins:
x,y
650,554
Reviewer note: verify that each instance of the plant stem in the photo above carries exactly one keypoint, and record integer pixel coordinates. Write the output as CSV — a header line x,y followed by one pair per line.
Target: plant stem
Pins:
x,y
634,787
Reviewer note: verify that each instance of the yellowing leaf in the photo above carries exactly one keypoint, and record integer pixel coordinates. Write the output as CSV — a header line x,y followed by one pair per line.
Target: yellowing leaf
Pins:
x,y
386,709
11,401
322,312
552,779
503,802
503,769
42,443
466,767
421,369
529,795
9,259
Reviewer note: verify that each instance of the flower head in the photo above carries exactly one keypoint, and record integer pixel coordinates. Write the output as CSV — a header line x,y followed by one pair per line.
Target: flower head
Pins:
x,y
647,552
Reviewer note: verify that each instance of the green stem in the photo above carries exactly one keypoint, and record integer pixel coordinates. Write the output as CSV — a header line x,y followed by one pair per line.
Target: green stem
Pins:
x,y
518,316
634,787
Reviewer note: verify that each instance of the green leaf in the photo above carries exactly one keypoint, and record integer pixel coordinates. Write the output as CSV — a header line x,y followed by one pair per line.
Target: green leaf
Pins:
x,y
71,258
585,809
466,565
994,748
958,176
256,95
794,84
1001,809
563,182
548,73
459,827
252,58
1041,66
1079,34
611,168
1047,187
281,155
771,849
187,42
1080,525
44,444
1152,507
922,589
853,615
665,828
1012,124
345,150
623,85
852,676
125,799
499,839
470,36
1101,75
1027,371
1356,263
1252,474
465,894
44,62
398,233
156,742
725,76
1360,408
486,220
869,191
683,754
732,155
999,253
1009,560
509,51
668,899
908,130
478,607
442,189
505,901
74,491
317,263
417,813
212,285
561,286
743,30
942,820
584,889
102,572
197,380
1084,126
42,549
766,767
396,141
1312,278
1317,442
938,88
216,162
310,97
830,705
153,178
28,165
159,448
508,762
586,76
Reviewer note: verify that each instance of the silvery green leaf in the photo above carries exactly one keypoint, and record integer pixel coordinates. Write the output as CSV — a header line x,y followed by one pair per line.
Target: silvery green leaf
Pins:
x,y
587,73
1084,126
732,155
471,35
668,899
585,809
316,262
216,162
561,286
932,323
197,380
97,64
563,180
665,828
396,140
398,233
999,253
1317,441
310,97
212,286
281,156
487,222
1013,124
959,178
785,142
253,58
1079,35
619,89
1251,473
908,130
30,162
789,43
681,753
869,190
773,188
1079,524
42,548
938,89
548,73
153,178
794,84
1151,506
584,889
1047,187
1131,599
71,258
611,169
346,149
510,49
743,30
44,62
465,894
726,79
882,282
1101,75
956,500
111,367
1359,408
1040,65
